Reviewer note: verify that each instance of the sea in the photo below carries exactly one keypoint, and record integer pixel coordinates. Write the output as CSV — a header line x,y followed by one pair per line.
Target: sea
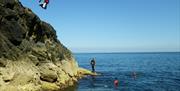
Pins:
x,y
154,71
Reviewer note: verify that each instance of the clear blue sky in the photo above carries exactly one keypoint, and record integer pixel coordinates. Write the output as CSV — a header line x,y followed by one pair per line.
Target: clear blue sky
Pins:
x,y
114,25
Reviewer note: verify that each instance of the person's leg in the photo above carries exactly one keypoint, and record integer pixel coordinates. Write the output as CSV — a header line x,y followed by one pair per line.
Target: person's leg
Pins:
x,y
93,68
44,5
41,5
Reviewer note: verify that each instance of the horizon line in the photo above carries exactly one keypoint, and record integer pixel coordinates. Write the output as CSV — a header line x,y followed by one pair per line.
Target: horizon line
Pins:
x,y
125,52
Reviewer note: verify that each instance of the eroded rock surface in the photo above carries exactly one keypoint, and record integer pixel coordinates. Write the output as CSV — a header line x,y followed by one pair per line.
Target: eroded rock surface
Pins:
x,y
31,56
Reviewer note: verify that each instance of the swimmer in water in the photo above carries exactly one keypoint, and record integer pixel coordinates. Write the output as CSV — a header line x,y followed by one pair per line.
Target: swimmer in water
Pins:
x,y
116,82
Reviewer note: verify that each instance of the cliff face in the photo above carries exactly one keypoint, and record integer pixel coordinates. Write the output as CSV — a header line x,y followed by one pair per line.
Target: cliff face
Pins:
x,y
31,56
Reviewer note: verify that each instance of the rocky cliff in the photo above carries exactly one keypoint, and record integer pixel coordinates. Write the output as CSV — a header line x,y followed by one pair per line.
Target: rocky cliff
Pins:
x,y
31,56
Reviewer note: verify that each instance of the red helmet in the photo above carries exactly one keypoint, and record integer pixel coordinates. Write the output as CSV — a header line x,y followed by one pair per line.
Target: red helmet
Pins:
x,y
47,1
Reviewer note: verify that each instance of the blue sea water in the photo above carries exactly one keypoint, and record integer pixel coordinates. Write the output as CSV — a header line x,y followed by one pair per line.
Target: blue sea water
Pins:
x,y
154,71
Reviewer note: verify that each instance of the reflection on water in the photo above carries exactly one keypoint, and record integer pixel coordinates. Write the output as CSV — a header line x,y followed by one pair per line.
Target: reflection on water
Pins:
x,y
92,81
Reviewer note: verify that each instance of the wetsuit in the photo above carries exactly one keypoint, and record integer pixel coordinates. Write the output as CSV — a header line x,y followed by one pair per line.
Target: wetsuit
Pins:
x,y
93,65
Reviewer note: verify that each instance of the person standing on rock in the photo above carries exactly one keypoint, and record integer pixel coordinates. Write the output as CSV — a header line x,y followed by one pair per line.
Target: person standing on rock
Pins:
x,y
93,63
44,3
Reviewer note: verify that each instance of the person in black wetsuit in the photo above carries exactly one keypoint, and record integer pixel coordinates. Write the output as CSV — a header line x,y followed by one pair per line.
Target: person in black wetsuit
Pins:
x,y
93,63
43,3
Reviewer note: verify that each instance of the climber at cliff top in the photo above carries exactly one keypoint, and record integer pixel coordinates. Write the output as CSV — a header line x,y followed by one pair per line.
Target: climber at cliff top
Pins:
x,y
43,3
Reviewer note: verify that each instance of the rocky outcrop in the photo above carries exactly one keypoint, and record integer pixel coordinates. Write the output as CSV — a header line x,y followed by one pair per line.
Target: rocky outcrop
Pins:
x,y
31,56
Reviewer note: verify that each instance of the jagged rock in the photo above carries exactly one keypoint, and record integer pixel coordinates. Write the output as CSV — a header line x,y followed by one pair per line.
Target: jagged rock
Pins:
x,y
49,86
7,77
3,62
18,24
26,46
87,72
63,77
21,79
31,56
34,59
48,75
68,67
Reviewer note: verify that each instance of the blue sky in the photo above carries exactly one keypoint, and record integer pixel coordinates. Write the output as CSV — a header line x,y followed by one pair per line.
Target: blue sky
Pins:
x,y
114,25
